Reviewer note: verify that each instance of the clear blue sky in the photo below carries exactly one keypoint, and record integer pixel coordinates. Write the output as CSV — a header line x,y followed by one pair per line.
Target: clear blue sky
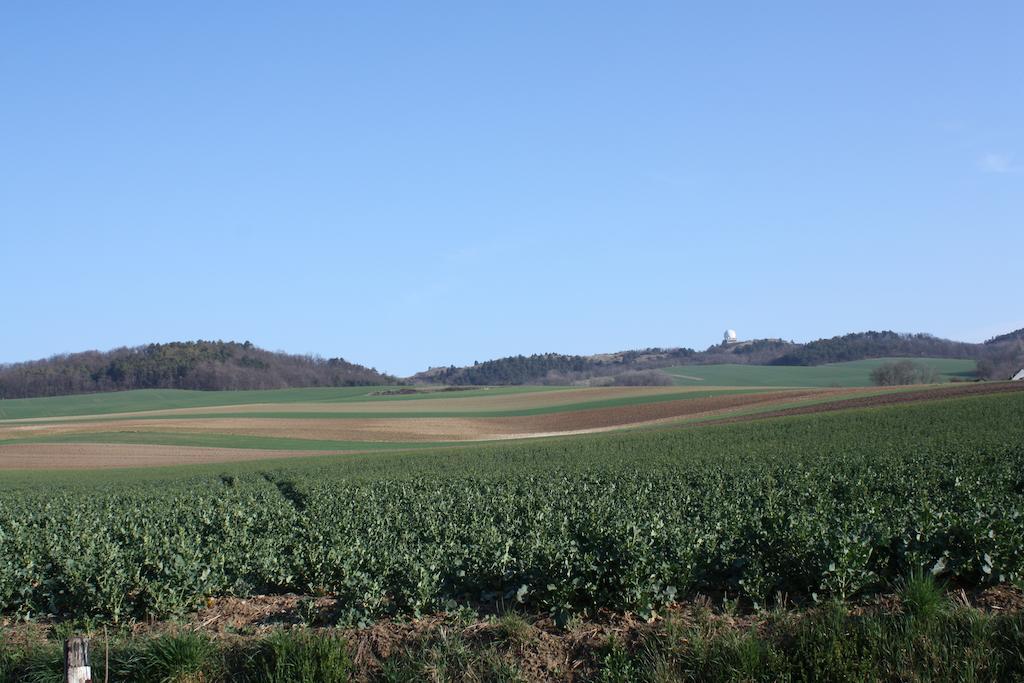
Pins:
x,y
415,184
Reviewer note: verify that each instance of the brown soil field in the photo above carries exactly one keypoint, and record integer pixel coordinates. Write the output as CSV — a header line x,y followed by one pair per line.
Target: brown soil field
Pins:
x,y
87,456
602,419
463,404
427,429
954,391
72,455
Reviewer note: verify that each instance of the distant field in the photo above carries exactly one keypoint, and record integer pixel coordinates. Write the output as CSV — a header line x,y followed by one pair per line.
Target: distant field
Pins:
x,y
275,424
346,422
515,400
166,399
852,374
494,405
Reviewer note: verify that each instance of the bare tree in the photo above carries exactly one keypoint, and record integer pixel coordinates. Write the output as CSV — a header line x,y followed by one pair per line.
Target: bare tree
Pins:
x,y
903,372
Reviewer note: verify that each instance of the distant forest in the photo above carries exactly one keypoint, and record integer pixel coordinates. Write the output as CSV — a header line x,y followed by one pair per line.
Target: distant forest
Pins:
x,y
219,365
876,345
555,368
208,365
997,358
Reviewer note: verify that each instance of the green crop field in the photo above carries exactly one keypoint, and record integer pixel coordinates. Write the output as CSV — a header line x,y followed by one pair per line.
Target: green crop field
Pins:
x,y
824,505
480,411
164,399
852,374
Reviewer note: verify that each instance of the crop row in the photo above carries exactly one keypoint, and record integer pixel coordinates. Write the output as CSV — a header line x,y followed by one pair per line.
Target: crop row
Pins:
x,y
813,506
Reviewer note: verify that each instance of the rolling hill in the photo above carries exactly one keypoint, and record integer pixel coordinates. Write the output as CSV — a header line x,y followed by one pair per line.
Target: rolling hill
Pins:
x,y
992,359
200,365
849,374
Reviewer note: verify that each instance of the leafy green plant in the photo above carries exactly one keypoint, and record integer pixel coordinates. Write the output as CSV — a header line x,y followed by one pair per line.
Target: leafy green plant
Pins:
x,y
617,665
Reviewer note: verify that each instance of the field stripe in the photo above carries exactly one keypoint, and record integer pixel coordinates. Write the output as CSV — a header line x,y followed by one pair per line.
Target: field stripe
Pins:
x,y
370,414
233,441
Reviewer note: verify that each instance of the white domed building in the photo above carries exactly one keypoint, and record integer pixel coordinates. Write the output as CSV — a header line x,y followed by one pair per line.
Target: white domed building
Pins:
x,y
730,337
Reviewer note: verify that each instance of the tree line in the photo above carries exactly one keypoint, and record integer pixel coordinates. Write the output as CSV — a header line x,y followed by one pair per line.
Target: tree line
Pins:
x,y
560,369
205,365
998,358
215,365
899,373
1004,356
861,345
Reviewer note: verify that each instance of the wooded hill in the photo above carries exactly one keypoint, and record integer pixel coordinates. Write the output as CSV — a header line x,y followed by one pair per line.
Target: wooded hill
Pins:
x,y
219,365
209,365
877,345
995,358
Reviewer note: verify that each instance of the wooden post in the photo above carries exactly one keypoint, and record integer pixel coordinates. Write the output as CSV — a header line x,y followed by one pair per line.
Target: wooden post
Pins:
x,y
76,661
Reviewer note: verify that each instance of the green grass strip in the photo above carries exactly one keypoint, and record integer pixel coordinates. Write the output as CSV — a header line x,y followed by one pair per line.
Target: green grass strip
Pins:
x,y
362,415
142,400
223,441
848,374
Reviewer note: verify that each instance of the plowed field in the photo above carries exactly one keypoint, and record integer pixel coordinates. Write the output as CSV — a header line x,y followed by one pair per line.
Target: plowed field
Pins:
x,y
68,456
51,442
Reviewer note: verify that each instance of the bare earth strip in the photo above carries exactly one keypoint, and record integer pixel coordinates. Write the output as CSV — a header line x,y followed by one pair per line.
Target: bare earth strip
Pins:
x,y
74,456
424,428
472,404
955,391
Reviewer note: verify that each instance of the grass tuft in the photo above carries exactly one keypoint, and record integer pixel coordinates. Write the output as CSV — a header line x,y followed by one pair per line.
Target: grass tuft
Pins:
x,y
922,595
184,657
34,665
514,629
304,657
826,643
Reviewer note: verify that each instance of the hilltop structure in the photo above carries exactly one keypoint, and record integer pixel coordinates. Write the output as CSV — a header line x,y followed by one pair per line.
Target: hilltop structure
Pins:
x,y
730,337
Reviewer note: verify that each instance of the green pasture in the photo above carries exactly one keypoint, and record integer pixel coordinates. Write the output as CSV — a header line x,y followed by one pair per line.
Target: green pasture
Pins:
x,y
851,374
622,401
140,400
